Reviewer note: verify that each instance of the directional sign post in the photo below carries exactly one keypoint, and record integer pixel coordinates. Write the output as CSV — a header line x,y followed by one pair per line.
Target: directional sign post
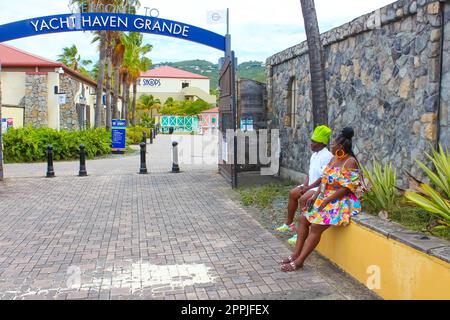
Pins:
x,y
118,135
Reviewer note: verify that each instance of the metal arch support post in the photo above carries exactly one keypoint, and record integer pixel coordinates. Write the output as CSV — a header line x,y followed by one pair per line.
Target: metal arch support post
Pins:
x,y
1,135
234,112
228,45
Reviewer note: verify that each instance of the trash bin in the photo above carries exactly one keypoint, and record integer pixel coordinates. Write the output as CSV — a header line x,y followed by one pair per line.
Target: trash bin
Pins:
x,y
170,130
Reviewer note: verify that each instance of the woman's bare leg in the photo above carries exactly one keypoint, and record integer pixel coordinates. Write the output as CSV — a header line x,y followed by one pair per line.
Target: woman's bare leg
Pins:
x,y
311,243
302,234
294,196
303,229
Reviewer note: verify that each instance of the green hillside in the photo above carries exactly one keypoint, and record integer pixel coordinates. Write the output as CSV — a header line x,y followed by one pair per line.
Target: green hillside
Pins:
x,y
253,70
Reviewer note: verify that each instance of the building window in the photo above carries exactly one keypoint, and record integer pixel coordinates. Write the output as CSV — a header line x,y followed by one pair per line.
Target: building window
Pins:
x,y
184,85
292,103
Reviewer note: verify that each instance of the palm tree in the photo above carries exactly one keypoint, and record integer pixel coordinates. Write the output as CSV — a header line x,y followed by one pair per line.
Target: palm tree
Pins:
x,y
117,59
108,87
105,49
72,59
110,40
118,52
148,103
169,102
134,63
94,71
101,63
316,63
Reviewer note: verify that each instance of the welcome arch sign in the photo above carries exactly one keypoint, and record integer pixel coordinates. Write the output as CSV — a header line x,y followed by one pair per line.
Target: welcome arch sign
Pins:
x,y
110,21
97,21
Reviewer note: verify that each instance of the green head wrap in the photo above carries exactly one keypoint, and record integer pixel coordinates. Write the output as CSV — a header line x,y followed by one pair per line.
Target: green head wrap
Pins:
x,y
321,134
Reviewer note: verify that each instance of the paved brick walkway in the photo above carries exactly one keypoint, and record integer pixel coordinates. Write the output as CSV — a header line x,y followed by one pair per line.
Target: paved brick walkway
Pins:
x,y
119,235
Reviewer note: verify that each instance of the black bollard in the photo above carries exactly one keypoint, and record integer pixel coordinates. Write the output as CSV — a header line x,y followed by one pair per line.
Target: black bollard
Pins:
x,y
144,137
50,170
151,136
175,167
154,133
143,169
82,172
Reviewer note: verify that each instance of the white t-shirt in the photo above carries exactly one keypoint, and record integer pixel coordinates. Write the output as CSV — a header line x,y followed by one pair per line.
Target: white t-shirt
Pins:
x,y
317,164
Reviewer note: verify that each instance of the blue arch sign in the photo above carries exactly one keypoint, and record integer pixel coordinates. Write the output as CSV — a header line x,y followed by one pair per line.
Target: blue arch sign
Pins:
x,y
110,21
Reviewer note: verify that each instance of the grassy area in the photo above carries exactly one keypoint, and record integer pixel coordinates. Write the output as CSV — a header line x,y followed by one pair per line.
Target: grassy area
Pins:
x,y
273,198
264,196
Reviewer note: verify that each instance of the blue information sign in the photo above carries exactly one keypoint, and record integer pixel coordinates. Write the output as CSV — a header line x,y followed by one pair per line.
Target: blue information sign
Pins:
x,y
118,134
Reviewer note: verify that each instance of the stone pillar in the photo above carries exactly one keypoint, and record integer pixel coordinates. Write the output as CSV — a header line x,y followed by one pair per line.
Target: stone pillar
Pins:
x,y
36,99
68,112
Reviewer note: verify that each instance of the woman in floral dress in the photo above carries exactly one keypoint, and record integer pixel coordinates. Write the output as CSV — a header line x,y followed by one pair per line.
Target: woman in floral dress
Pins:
x,y
332,205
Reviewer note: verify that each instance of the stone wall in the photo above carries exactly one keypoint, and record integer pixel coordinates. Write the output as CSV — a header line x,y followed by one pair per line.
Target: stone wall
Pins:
x,y
35,101
68,112
444,132
383,81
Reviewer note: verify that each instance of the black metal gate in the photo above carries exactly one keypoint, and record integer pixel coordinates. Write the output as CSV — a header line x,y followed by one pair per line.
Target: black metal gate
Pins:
x,y
227,114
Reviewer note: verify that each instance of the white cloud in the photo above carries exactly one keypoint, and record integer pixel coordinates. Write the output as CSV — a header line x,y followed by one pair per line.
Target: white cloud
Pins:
x,y
258,28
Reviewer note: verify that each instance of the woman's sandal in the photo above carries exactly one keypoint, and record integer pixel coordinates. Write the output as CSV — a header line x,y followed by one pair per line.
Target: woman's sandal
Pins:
x,y
291,266
289,259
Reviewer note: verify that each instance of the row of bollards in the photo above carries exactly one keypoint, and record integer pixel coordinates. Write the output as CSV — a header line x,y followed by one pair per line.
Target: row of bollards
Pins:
x,y
143,168
50,169
153,133
143,145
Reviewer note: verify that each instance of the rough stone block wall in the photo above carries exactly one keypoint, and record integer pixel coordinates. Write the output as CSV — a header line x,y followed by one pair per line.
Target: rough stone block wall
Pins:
x,y
444,131
68,111
382,81
35,100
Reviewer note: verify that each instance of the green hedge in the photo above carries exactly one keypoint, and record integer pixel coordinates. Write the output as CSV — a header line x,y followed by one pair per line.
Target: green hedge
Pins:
x,y
134,134
29,144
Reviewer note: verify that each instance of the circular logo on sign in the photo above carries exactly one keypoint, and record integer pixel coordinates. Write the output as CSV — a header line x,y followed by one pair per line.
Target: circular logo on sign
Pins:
x,y
216,17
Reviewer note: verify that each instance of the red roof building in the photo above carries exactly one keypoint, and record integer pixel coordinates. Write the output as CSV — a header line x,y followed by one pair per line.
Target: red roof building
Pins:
x,y
11,57
170,72
169,82
43,93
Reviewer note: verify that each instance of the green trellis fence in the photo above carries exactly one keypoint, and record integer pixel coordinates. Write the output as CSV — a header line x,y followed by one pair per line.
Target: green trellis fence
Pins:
x,y
179,123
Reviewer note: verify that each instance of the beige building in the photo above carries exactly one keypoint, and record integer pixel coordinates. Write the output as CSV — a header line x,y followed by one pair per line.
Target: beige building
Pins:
x,y
165,82
40,92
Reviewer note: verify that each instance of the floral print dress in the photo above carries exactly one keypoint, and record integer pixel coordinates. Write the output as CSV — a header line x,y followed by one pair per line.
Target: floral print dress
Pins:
x,y
338,212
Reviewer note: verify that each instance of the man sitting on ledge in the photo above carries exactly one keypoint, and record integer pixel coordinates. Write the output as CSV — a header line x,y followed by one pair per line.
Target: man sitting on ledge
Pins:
x,y
319,159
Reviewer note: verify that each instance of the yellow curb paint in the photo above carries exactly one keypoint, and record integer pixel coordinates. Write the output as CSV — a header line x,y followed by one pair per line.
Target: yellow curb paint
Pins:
x,y
391,269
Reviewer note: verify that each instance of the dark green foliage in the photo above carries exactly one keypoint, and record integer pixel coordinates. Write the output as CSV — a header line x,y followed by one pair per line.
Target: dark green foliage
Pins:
x,y
185,108
30,145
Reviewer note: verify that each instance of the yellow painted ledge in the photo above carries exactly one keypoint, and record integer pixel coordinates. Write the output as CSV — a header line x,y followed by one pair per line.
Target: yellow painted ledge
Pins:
x,y
389,268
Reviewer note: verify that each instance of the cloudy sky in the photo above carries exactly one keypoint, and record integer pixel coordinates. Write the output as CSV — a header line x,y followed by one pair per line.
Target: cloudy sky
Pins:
x,y
259,28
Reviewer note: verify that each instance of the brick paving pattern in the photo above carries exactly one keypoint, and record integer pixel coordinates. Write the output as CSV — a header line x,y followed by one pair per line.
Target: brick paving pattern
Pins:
x,y
119,235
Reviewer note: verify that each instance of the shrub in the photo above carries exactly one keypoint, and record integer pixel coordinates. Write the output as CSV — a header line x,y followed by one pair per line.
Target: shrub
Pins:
x,y
435,197
134,134
383,195
29,144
